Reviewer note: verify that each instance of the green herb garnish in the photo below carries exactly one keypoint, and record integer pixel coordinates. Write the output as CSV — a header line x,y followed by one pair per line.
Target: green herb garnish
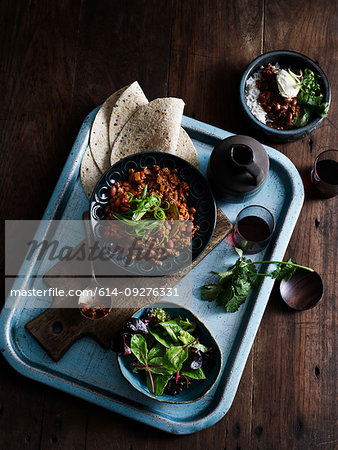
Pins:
x,y
310,98
235,284
141,206
153,226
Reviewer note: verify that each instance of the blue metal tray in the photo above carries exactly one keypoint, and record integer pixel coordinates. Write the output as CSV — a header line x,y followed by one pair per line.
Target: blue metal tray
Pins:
x,y
90,372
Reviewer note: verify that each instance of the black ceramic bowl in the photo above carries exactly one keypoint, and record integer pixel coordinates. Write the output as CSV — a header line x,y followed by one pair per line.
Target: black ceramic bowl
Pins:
x,y
200,197
285,59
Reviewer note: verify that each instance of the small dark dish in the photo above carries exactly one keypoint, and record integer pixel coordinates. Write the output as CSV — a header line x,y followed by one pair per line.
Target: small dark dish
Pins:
x,y
303,291
200,197
285,59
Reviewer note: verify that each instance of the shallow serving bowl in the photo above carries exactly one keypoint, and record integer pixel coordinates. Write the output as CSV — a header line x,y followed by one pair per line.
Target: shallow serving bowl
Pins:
x,y
284,59
200,196
198,388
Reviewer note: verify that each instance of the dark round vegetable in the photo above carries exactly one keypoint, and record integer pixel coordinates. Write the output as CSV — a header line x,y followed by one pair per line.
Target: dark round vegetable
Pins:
x,y
175,388
208,360
197,360
121,344
147,317
135,326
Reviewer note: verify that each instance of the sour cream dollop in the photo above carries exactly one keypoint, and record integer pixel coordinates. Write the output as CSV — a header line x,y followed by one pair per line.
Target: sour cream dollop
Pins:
x,y
287,85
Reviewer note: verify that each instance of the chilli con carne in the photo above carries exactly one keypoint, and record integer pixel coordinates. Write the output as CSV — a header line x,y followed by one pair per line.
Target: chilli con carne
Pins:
x,y
147,194
281,111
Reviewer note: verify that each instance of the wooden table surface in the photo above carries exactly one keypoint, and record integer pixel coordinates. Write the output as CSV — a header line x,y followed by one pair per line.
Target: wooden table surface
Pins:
x,y
60,59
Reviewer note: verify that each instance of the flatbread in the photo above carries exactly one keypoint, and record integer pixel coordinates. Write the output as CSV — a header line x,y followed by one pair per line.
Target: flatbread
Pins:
x,y
153,127
90,173
126,105
99,134
186,149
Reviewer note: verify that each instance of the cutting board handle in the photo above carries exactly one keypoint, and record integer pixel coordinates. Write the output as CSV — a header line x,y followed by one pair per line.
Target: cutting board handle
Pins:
x,y
56,329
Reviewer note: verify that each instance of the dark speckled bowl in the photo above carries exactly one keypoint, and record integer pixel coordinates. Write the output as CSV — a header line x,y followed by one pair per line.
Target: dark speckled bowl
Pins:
x,y
285,59
200,196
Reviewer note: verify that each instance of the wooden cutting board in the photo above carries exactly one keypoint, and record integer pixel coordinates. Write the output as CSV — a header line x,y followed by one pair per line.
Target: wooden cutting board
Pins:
x,y
57,328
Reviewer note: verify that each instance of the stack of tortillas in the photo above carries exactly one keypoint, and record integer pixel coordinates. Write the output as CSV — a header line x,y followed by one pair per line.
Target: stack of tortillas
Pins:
x,y
126,124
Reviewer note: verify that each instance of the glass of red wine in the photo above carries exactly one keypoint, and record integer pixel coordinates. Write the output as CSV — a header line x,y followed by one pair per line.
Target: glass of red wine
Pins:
x,y
253,229
324,175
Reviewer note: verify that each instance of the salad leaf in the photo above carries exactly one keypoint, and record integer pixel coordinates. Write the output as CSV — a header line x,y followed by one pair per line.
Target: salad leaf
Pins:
x,y
172,329
197,374
178,323
174,357
162,336
156,366
225,295
138,346
210,292
187,338
160,315
155,351
175,326
239,252
186,325
224,276
316,100
160,382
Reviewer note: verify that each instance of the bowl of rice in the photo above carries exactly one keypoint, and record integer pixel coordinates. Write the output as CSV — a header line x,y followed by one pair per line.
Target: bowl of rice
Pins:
x,y
284,95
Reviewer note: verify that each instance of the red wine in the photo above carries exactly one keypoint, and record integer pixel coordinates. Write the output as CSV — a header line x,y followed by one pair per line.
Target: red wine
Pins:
x,y
253,229
327,171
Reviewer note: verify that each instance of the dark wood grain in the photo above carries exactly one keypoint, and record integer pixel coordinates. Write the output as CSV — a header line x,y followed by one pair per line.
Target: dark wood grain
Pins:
x,y
300,363
37,57
59,60
212,43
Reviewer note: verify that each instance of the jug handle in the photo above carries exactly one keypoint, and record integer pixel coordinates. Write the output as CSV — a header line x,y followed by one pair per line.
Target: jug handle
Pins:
x,y
254,170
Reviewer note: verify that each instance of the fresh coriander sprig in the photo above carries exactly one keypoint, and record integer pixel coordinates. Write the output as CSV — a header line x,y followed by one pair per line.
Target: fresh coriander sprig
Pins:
x,y
235,284
310,98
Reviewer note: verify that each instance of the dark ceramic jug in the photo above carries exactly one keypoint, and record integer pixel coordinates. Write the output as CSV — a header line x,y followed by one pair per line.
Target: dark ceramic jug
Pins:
x,y
237,165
